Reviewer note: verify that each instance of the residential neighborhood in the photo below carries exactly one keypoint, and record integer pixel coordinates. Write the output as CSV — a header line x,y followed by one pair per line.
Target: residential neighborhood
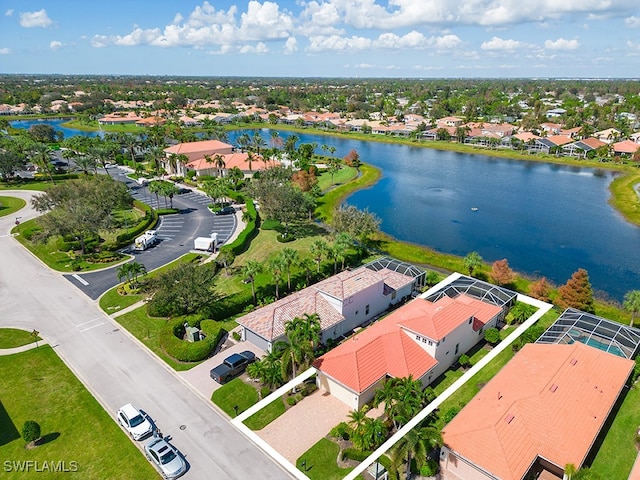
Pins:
x,y
300,330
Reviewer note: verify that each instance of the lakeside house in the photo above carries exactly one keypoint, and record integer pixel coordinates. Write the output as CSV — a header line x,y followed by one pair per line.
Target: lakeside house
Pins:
x,y
547,407
343,302
422,338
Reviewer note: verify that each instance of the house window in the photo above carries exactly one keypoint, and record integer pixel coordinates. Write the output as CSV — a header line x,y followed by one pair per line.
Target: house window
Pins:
x,y
356,312
480,332
366,310
418,337
443,339
457,347
424,340
393,295
430,342
470,320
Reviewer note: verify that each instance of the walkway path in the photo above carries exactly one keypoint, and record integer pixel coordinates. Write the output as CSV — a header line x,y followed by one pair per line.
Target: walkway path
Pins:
x,y
23,348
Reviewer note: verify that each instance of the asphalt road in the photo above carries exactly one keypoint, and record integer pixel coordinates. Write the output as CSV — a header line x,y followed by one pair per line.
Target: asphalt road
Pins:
x,y
175,232
116,368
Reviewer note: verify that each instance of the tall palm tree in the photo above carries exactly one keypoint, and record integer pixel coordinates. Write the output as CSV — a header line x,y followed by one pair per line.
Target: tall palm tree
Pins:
x,y
632,304
218,161
415,444
307,265
250,159
250,270
277,266
289,256
472,261
243,141
318,250
257,142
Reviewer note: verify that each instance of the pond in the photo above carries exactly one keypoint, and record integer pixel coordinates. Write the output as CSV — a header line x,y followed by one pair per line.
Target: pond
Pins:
x,y
547,220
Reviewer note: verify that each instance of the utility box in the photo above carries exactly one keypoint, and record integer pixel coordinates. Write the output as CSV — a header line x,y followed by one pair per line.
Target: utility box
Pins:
x,y
207,244
193,334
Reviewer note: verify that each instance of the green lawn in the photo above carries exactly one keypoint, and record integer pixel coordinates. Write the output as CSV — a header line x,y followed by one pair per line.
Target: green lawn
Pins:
x,y
268,414
344,175
321,462
10,205
13,337
36,385
618,452
235,393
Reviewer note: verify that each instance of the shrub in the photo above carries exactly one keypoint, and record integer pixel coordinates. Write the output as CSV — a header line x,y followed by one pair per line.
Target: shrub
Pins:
x,y
464,360
172,334
286,238
492,335
449,414
265,392
241,243
353,454
340,431
291,401
30,431
236,336
429,469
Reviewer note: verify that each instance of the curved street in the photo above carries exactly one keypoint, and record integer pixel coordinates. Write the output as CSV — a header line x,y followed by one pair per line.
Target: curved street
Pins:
x,y
117,368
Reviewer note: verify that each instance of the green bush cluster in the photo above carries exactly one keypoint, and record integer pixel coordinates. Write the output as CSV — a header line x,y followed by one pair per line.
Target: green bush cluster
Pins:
x,y
340,431
102,257
149,220
171,340
30,431
270,224
429,469
240,244
354,454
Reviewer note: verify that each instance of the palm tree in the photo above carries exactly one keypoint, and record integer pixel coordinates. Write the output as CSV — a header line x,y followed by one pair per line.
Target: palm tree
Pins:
x,y
243,141
289,256
632,304
472,261
318,249
277,266
357,422
307,265
218,161
137,269
342,243
275,139
250,159
415,444
386,395
250,270
123,271
225,258
257,142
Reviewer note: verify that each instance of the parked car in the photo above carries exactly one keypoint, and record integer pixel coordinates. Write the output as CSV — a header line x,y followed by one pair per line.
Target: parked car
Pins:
x,y
228,210
165,457
231,366
182,190
135,422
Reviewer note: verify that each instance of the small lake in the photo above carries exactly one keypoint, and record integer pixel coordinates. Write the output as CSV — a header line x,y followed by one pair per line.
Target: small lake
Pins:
x,y
545,219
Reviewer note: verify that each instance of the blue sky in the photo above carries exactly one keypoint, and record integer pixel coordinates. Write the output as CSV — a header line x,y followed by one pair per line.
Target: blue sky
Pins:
x,y
328,38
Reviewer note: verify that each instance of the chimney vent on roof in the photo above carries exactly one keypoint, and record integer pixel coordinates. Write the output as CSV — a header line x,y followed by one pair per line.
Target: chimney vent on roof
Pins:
x,y
509,418
554,387
574,361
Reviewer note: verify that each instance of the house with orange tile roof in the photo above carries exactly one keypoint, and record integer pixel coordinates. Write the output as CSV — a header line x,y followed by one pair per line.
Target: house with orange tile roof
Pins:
x,y
343,302
194,151
542,411
609,135
422,338
119,118
625,147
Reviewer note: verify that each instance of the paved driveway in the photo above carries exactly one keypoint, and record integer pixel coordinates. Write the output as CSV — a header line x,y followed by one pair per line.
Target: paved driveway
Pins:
x,y
198,377
302,426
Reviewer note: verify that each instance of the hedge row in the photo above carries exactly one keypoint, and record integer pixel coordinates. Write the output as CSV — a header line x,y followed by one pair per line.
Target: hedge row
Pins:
x,y
149,220
240,244
171,340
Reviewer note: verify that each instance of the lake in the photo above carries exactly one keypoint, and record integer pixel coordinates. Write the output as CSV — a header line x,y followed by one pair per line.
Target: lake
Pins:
x,y
545,219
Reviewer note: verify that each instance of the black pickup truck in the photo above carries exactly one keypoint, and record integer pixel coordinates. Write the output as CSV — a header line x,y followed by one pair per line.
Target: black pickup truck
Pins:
x,y
231,366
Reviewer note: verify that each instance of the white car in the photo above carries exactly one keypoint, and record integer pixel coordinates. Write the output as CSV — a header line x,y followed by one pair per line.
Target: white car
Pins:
x,y
134,421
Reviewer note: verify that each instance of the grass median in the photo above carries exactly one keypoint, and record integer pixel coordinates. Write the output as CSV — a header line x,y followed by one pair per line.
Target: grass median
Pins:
x,y
36,385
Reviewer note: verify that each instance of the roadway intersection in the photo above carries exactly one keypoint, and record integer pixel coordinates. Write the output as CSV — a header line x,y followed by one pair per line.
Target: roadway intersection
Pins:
x,y
116,367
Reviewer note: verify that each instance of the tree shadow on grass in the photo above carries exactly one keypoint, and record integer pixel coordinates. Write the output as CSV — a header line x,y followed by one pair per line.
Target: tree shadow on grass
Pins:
x,y
8,431
49,437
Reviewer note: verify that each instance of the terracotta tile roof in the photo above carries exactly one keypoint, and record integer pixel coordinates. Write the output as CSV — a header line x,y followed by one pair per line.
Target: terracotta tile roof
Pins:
x,y
526,136
559,139
437,320
208,147
380,350
269,321
593,142
231,160
626,146
549,401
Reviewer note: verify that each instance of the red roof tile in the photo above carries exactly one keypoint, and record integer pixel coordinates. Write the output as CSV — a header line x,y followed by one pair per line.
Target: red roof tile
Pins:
x,y
549,401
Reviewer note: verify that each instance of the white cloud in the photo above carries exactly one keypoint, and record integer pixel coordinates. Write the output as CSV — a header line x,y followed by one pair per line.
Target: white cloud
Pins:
x,y
497,43
55,45
561,44
207,26
291,45
385,41
258,48
632,22
8,13
5,51
35,19
367,14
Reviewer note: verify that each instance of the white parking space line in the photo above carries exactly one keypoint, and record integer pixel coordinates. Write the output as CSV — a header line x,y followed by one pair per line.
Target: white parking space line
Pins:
x,y
80,279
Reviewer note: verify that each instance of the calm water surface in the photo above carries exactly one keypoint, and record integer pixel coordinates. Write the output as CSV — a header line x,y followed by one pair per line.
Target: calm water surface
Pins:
x,y
545,219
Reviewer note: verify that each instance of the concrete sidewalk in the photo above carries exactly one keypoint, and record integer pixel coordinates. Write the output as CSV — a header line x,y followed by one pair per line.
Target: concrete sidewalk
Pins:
x,y
23,348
